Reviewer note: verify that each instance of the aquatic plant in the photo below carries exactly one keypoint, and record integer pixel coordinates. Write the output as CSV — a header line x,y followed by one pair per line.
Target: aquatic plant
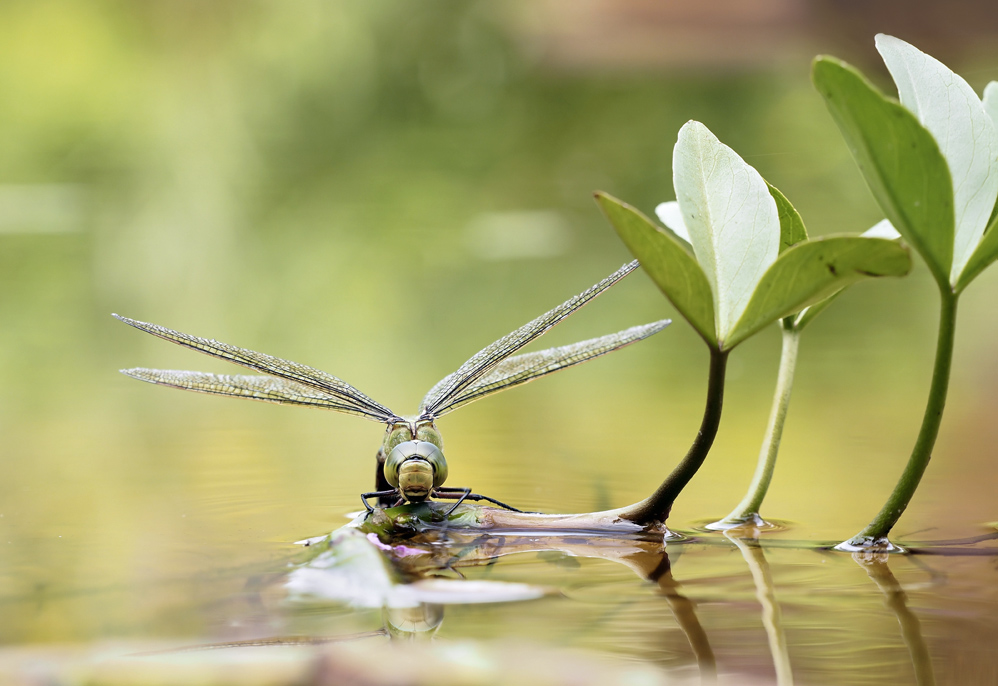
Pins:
x,y
747,510
931,162
747,263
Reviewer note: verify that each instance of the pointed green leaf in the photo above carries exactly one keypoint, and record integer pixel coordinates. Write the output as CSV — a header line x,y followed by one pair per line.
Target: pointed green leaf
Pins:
x,y
811,271
792,229
949,108
899,159
882,229
732,219
668,261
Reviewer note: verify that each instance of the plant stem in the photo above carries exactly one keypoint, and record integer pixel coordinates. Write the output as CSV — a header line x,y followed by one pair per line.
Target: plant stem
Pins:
x,y
656,508
748,509
875,533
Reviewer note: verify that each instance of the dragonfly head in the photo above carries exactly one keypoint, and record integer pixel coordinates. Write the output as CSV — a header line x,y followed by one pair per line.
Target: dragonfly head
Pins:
x,y
415,464
415,468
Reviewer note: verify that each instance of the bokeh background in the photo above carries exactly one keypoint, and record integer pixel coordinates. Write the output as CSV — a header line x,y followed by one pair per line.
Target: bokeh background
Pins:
x,y
379,189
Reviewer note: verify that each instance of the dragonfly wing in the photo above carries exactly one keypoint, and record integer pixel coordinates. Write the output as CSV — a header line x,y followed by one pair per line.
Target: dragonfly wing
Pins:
x,y
348,397
520,369
454,385
266,388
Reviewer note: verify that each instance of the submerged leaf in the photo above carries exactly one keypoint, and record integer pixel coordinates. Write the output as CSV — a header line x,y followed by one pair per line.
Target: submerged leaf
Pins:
x,y
899,158
668,261
948,107
814,270
731,216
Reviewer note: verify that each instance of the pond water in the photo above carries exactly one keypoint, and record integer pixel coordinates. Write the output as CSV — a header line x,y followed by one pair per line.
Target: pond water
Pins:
x,y
742,608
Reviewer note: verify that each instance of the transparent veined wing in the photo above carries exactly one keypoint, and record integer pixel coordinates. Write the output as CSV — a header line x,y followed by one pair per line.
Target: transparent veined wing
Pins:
x,y
520,369
265,388
345,397
452,386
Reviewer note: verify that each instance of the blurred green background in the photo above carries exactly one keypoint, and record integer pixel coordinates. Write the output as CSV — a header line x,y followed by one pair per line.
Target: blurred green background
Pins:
x,y
381,188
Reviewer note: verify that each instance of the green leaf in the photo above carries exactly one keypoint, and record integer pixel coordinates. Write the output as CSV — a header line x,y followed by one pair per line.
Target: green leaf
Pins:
x,y
732,219
792,229
809,272
949,108
899,159
882,229
668,261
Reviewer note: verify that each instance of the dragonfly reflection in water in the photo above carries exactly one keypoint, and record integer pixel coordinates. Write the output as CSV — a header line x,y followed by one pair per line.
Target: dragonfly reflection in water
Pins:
x,y
411,465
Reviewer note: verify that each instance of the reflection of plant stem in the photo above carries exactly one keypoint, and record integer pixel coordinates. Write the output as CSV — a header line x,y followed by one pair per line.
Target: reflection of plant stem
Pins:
x,y
656,508
771,617
684,610
875,533
896,599
748,509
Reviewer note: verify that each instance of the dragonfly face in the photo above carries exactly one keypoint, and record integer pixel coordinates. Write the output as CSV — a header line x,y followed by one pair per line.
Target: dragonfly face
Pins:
x,y
412,450
415,464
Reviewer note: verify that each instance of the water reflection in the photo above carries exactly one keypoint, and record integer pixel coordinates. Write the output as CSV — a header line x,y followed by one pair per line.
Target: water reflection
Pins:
x,y
684,610
747,540
878,569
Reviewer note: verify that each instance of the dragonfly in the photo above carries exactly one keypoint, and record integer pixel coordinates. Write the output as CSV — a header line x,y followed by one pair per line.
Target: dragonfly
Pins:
x,y
410,462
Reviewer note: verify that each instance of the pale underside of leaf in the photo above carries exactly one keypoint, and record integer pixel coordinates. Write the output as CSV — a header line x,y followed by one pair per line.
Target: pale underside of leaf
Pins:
x,y
947,106
882,229
731,216
671,216
990,101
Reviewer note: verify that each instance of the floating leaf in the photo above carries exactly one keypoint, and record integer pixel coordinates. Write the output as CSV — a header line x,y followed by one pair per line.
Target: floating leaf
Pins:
x,y
948,107
814,270
357,569
899,158
731,216
668,260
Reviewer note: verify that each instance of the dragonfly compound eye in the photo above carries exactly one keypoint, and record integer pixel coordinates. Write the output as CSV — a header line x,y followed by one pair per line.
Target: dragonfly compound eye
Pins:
x,y
415,468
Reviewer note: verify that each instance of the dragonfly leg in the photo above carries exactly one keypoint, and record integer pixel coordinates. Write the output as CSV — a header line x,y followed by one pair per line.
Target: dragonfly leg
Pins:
x,y
372,494
466,494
